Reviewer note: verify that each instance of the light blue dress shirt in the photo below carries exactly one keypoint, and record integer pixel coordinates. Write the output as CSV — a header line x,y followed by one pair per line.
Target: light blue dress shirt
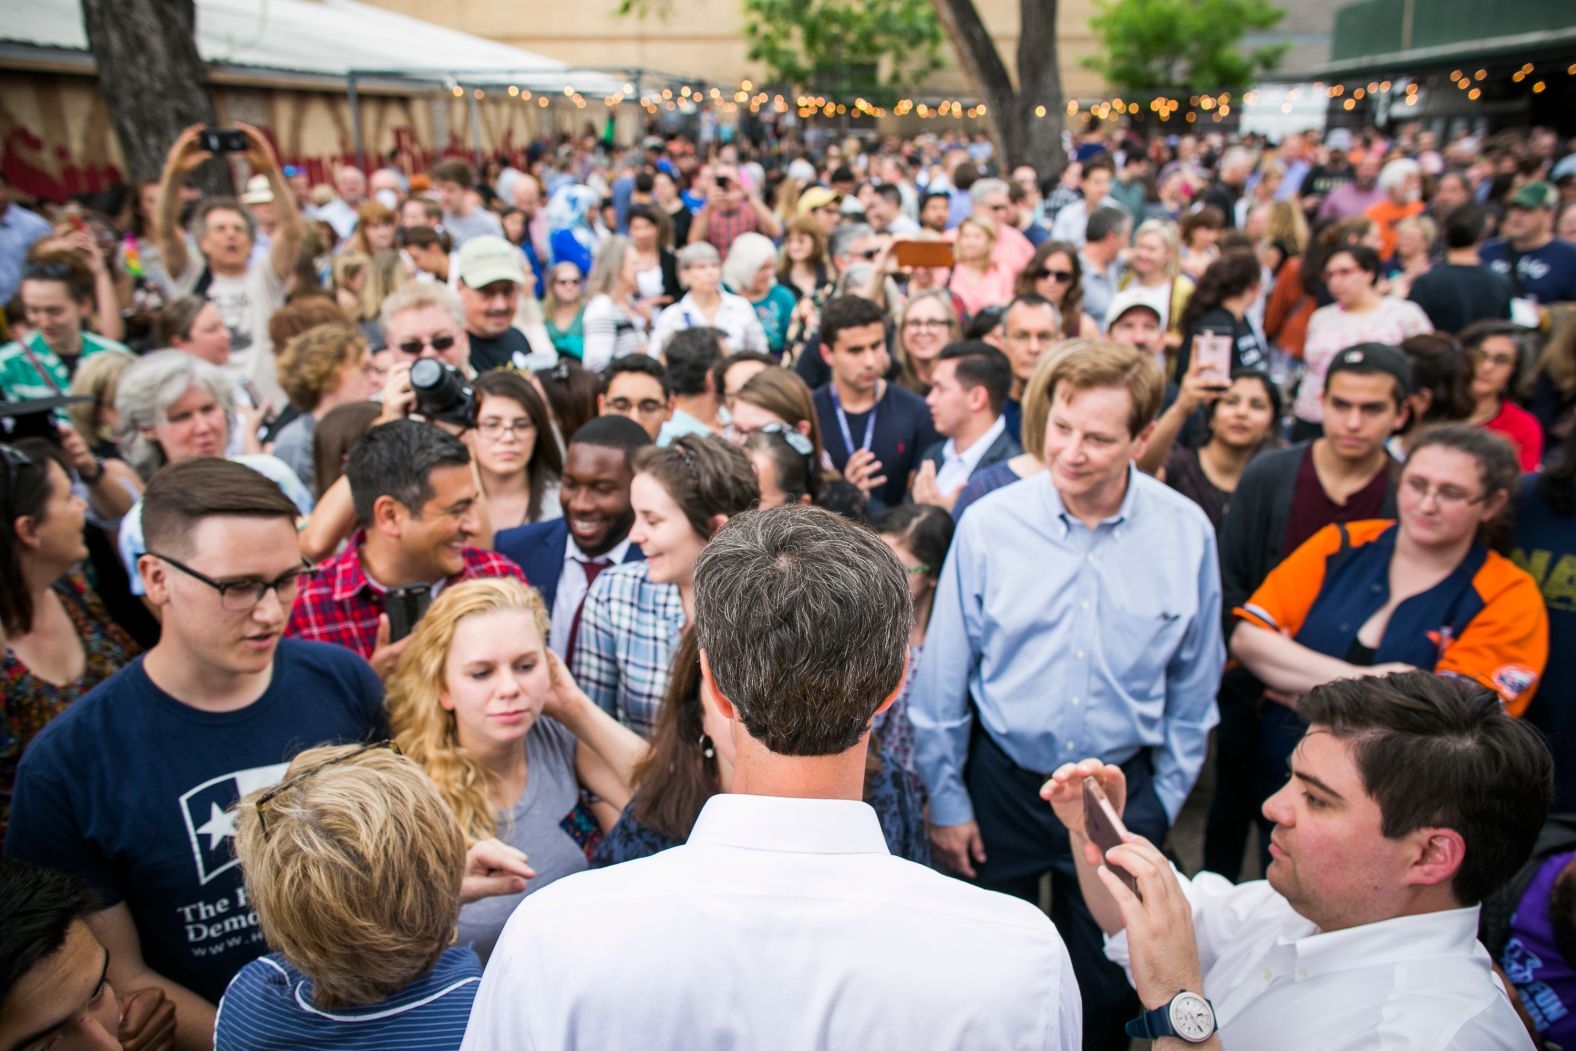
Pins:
x,y
1072,642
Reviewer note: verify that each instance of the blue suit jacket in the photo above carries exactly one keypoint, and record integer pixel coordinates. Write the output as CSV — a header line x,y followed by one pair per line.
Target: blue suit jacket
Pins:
x,y
538,549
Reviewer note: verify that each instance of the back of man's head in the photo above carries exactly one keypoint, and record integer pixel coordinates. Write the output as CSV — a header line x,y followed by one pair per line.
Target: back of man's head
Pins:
x,y
690,355
803,618
181,495
37,908
1105,221
981,365
1440,752
1464,226
397,459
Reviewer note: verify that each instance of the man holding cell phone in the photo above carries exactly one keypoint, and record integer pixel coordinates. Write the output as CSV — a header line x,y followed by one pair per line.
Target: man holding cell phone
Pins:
x,y
1411,799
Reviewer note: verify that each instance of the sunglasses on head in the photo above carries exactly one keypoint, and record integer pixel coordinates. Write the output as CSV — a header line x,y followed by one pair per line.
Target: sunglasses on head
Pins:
x,y
413,347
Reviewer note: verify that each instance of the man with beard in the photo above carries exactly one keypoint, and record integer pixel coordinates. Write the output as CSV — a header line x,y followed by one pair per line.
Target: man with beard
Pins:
x,y
563,556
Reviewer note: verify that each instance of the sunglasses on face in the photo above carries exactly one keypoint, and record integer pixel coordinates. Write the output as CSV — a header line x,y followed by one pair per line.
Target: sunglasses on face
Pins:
x,y
1047,274
413,347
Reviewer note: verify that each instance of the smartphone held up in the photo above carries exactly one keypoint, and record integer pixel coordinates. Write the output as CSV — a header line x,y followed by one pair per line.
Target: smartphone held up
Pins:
x,y
1104,828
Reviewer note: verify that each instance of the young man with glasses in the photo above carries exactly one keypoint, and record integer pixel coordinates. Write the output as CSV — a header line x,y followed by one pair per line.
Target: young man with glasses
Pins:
x,y
130,788
415,496
636,386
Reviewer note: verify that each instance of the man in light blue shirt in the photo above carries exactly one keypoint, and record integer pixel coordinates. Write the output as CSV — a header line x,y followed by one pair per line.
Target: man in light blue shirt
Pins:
x,y
1078,612
19,230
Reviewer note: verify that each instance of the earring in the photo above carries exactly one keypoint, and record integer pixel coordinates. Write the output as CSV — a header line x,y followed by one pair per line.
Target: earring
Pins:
x,y
707,750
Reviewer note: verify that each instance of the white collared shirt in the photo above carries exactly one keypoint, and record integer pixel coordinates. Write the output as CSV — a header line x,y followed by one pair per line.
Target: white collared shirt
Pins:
x,y
1276,981
573,587
782,924
956,467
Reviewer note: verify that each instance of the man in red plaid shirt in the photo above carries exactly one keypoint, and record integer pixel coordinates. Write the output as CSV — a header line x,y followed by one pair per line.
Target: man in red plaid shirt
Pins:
x,y
415,499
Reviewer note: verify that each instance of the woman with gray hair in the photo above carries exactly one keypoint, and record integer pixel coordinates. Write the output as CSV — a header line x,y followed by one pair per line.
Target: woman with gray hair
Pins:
x,y
173,407
612,325
751,271
708,305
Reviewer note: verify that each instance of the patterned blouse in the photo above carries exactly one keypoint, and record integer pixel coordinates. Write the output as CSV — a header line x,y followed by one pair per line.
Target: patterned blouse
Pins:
x,y
29,703
893,793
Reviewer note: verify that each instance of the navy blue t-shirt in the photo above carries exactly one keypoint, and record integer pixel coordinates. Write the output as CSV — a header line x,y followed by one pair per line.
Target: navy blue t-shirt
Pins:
x,y
129,789
1545,547
903,431
1548,273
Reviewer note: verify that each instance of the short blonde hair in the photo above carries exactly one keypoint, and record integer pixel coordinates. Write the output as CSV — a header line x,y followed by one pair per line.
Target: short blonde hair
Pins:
x,y
1098,363
310,364
424,730
1037,398
98,377
357,881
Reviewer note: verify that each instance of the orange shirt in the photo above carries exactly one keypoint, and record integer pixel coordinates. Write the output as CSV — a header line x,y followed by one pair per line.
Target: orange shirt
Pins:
x,y
1385,214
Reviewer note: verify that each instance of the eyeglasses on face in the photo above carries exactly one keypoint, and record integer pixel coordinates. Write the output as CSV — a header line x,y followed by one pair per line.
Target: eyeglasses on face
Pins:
x,y
242,596
645,407
1446,495
926,322
413,347
492,428
266,800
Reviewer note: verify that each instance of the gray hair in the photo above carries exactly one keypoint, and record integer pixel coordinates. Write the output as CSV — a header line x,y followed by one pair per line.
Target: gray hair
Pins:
x,y
419,296
199,227
984,188
846,235
748,253
1396,173
148,388
607,264
803,617
698,252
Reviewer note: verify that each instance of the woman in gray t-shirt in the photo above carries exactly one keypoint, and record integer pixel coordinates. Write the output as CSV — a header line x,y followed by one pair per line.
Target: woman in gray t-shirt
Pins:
x,y
518,751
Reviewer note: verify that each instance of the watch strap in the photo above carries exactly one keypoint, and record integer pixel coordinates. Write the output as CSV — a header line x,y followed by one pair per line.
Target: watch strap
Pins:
x,y
1152,1025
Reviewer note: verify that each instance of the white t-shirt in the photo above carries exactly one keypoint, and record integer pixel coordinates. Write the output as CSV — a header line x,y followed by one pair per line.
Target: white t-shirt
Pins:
x,y
246,302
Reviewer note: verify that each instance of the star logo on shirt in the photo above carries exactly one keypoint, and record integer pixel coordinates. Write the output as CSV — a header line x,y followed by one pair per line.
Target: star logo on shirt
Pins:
x,y
219,826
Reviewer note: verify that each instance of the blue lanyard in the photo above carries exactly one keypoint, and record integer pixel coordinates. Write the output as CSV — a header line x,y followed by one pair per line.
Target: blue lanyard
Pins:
x,y
842,421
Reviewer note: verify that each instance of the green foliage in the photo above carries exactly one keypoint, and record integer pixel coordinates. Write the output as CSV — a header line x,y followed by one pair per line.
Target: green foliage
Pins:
x,y
837,47
1156,45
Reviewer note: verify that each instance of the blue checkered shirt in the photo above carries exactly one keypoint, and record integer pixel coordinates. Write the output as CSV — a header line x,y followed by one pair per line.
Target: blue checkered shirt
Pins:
x,y
629,629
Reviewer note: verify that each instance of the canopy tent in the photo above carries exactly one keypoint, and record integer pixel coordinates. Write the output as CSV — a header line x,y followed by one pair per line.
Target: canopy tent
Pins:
x,y
328,38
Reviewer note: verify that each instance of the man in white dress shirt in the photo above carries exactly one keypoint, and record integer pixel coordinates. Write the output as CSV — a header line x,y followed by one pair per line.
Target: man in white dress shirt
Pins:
x,y
783,923
1411,799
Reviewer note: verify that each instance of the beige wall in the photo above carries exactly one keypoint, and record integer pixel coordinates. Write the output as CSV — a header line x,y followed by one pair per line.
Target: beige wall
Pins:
x,y
704,38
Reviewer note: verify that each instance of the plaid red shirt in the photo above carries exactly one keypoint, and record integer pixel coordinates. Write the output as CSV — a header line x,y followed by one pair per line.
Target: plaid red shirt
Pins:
x,y
339,604
722,228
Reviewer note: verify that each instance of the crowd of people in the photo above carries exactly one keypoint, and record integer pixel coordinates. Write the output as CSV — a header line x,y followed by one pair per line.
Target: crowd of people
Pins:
x,y
690,594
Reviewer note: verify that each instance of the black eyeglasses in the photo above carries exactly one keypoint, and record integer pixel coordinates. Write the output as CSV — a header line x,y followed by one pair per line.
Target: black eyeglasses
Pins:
x,y
413,347
264,800
646,406
242,596
1055,275
15,460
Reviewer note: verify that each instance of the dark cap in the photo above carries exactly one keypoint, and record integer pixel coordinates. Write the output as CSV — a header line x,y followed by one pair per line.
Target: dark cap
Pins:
x,y
1370,358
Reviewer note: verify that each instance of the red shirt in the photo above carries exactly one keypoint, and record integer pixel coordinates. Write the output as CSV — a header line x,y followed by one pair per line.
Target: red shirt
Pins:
x,y
1312,509
340,604
1524,432
722,228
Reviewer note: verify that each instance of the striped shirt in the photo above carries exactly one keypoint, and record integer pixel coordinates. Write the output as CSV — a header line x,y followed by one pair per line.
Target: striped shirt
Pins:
x,y
269,1005
23,375
629,628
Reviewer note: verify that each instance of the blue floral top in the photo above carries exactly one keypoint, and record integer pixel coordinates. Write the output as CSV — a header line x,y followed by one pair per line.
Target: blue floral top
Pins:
x,y
895,795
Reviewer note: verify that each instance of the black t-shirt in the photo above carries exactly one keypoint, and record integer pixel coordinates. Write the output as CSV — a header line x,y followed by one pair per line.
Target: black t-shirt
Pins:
x,y
1321,180
1453,295
902,432
489,353
1247,349
131,790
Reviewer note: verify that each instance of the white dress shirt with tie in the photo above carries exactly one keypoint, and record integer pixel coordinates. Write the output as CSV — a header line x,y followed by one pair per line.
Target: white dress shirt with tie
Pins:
x,y
572,590
782,924
1415,983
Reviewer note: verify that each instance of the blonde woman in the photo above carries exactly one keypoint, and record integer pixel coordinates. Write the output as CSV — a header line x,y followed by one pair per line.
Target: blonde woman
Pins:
x,y
494,718
350,279
386,273
977,279
356,869
927,324
1156,270
98,378
564,310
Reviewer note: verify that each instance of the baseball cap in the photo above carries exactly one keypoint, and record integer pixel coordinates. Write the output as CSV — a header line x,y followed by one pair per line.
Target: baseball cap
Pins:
x,y
485,259
1535,195
257,191
1130,299
817,197
1372,357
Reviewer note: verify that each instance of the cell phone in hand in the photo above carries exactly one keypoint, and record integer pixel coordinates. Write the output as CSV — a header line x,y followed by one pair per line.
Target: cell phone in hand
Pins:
x,y
923,253
1104,828
222,140
405,607
723,182
1213,350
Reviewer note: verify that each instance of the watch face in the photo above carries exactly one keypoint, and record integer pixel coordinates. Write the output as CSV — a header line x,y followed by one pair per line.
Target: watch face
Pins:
x,y
1192,1018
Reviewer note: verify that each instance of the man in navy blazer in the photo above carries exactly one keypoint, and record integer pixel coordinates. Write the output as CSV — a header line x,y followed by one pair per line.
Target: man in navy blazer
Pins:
x,y
563,556
969,386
